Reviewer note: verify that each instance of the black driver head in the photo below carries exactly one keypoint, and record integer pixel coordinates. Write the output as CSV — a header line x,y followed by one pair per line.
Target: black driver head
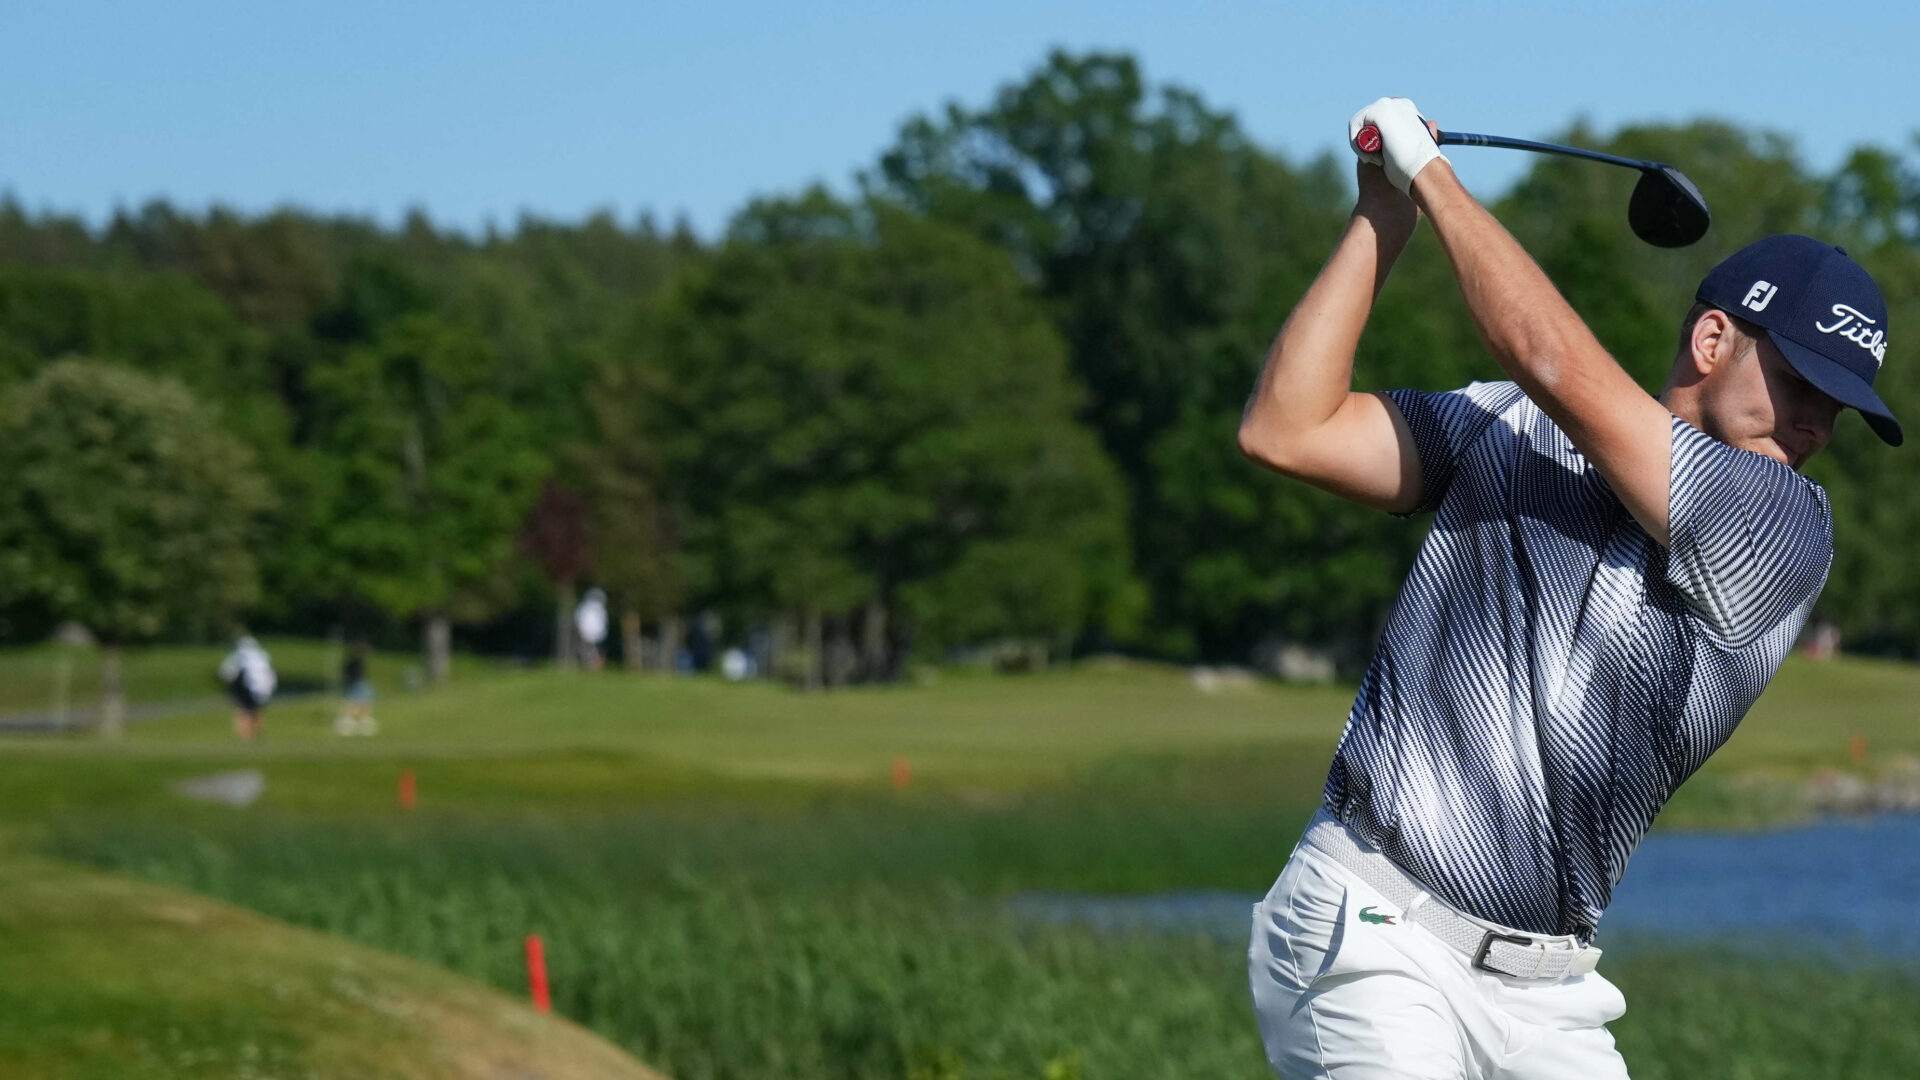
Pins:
x,y
1666,209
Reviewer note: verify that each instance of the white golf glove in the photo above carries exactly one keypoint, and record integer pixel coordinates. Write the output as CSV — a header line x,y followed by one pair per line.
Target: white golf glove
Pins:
x,y
1406,146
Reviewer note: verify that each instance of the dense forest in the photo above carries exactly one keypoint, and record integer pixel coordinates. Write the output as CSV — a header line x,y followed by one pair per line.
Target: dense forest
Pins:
x,y
986,399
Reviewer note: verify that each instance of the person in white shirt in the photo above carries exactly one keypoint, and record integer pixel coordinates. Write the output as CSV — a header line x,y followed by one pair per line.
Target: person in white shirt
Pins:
x,y
248,675
590,621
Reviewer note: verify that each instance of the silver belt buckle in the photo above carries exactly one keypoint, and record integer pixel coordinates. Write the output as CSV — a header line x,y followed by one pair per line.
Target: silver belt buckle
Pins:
x,y
1486,946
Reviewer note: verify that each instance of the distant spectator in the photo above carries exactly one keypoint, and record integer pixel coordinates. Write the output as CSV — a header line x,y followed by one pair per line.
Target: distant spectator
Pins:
x,y
356,706
699,648
590,619
1822,641
735,665
248,674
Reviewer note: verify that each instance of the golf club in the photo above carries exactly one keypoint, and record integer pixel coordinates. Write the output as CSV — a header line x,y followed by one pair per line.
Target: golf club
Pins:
x,y
1666,210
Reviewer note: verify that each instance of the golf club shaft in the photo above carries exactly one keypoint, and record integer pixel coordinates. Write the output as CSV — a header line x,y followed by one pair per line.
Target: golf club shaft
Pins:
x,y
1466,138
1369,140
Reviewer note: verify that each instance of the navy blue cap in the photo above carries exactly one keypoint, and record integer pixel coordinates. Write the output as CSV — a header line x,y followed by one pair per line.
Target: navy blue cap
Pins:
x,y
1820,308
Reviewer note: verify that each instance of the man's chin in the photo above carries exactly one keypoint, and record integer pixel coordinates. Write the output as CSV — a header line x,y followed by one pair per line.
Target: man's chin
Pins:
x,y
1771,449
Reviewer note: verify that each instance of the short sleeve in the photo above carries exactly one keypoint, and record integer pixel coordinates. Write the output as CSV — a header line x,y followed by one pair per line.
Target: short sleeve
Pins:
x,y
1751,540
1444,425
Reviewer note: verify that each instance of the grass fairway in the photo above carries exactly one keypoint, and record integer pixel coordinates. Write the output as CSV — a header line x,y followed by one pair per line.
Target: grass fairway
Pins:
x,y
104,976
961,727
731,889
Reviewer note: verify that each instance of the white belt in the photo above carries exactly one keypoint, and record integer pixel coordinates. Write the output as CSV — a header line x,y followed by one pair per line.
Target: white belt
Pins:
x,y
1489,946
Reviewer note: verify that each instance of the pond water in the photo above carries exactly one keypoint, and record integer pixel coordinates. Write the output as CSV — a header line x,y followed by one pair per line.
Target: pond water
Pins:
x,y
1842,889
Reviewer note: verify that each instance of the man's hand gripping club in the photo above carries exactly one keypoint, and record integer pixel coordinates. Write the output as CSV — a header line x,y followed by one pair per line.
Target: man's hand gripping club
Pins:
x,y
1391,133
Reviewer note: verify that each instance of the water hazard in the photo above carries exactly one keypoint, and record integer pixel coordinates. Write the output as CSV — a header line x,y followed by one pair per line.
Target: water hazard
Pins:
x,y
1843,889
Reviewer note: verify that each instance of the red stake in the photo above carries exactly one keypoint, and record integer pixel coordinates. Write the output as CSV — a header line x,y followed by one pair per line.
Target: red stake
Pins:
x,y
537,974
902,772
408,789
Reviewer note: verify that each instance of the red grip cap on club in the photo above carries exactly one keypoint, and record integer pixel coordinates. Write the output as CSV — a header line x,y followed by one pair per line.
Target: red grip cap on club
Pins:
x,y
1368,140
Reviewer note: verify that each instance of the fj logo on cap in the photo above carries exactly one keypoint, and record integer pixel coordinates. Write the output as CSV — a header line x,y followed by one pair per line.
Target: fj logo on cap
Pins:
x,y
1760,295
1859,329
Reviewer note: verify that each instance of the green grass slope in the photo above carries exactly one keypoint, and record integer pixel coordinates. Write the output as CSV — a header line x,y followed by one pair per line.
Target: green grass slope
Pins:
x,y
103,976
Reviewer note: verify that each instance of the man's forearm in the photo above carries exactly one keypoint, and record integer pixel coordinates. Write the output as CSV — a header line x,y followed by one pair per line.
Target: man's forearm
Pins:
x,y
1309,370
1526,324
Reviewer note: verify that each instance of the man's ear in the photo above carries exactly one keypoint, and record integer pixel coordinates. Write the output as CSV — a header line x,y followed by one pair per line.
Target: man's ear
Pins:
x,y
1715,341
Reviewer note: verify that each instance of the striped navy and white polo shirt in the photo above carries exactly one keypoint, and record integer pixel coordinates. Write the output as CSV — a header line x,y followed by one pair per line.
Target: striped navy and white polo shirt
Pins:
x,y
1549,675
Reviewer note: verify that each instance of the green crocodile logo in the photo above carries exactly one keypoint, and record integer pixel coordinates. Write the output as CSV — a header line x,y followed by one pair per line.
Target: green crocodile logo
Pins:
x,y
1367,915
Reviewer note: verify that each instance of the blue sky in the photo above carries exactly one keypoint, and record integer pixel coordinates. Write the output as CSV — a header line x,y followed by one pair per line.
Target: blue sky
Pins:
x,y
478,111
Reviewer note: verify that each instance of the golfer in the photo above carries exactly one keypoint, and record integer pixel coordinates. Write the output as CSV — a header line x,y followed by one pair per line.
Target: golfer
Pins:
x,y
248,675
1610,582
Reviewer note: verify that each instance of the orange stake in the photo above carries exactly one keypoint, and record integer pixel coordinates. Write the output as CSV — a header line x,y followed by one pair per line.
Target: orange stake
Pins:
x,y
537,974
408,789
902,772
1857,749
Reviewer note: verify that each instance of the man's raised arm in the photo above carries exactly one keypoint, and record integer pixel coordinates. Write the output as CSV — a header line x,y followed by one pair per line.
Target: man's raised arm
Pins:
x,y
1534,334
1304,420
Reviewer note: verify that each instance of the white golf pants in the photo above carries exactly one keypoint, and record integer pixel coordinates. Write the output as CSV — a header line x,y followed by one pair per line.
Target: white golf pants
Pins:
x,y
1347,997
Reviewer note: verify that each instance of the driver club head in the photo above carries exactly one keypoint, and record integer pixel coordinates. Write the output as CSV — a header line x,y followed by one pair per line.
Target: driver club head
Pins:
x,y
1666,210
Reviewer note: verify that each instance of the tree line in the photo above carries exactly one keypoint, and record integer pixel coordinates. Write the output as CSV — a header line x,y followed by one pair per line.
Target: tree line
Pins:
x,y
987,399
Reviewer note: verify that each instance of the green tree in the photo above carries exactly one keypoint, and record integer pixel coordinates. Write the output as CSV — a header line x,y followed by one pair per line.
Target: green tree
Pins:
x,y
1873,591
555,537
632,523
430,474
858,408
1150,223
124,507
1152,237
1167,249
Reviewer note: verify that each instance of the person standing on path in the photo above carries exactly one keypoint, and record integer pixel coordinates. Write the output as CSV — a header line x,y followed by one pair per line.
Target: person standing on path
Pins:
x,y
248,675
1611,580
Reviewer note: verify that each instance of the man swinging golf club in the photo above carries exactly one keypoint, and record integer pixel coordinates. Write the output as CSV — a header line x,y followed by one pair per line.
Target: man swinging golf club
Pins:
x,y
1611,580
